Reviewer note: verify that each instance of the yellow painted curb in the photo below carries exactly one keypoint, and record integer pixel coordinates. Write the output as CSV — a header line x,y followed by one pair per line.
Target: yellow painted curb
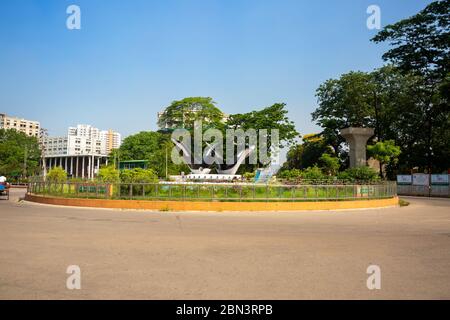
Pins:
x,y
215,206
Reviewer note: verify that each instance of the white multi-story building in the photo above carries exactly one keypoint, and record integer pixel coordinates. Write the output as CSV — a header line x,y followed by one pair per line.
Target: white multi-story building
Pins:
x,y
29,127
112,139
81,151
55,146
105,140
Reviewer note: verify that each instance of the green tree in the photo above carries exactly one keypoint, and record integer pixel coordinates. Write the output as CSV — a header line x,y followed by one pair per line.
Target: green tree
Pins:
x,y
108,174
308,153
391,102
269,118
273,117
151,146
57,175
183,113
386,152
329,164
344,102
420,45
19,154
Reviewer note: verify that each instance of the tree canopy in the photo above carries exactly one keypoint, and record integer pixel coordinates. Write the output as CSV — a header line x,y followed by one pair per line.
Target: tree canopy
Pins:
x,y
421,43
183,113
19,154
393,103
270,118
151,146
421,47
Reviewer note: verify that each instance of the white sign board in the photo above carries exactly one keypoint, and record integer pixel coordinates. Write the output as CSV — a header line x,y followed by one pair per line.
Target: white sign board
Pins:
x,y
404,179
421,179
439,179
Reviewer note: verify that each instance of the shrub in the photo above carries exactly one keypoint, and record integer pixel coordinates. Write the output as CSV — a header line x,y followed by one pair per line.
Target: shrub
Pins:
x,y
108,174
363,173
57,175
329,164
249,176
290,174
138,175
313,173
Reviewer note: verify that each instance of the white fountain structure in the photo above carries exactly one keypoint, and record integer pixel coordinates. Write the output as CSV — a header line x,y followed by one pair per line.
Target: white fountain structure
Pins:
x,y
203,171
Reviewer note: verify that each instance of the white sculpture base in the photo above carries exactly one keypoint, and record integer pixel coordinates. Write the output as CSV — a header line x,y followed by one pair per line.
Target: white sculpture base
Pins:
x,y
207,177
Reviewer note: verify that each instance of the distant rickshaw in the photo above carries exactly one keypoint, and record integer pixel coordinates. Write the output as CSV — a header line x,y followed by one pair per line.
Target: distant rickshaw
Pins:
x,y
4,188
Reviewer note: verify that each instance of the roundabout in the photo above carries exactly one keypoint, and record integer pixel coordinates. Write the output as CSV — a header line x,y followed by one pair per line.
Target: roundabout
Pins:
x,y
214,197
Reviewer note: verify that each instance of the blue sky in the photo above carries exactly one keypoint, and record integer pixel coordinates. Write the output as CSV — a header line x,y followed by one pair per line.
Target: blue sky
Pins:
x,y
132,58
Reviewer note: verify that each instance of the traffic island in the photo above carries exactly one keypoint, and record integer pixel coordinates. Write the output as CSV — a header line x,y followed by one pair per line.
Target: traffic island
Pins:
x,y
218,206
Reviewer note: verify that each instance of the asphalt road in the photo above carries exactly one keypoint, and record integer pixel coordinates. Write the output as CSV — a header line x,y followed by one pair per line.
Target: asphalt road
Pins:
x,y
190,255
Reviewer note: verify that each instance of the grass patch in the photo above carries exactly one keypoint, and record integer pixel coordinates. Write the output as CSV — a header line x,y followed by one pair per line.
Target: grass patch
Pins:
x,y
403,203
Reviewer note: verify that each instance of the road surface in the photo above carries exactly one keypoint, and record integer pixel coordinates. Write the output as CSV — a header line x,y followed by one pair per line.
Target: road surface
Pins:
x,y
191,255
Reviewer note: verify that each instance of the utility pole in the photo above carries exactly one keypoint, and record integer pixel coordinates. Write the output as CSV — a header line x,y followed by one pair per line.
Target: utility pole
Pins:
x,y
25,155
377,125
166,162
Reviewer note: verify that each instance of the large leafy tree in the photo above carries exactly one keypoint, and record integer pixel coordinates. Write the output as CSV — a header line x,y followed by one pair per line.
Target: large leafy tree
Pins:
x,y
420,45
388,100
307,154
183,113
19,154
274,117
151,146
344,102
386,152
270,118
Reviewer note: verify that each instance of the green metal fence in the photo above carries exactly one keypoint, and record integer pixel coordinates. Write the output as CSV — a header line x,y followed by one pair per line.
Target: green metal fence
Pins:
x,y
214,192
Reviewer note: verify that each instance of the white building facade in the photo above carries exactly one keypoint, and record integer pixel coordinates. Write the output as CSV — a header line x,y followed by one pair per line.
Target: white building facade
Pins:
x,y
81,152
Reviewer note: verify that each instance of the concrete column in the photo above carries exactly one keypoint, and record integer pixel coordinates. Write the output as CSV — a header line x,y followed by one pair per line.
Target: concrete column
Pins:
x,y
71,166
357,140
82,167
89,168
78,159
44,160
65,164
93,166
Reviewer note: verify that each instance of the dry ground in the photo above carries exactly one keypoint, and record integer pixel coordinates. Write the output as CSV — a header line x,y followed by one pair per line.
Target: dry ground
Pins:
x,y
189,255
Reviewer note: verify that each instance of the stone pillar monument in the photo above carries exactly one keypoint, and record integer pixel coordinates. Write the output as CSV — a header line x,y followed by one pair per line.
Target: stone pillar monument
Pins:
x,y
357,140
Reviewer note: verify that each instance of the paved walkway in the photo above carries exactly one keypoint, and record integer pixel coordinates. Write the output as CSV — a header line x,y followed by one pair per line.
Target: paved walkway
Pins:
x,y
172,255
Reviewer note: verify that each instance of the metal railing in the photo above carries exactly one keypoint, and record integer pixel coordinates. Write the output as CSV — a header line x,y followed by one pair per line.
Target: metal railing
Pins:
x,y
214,192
